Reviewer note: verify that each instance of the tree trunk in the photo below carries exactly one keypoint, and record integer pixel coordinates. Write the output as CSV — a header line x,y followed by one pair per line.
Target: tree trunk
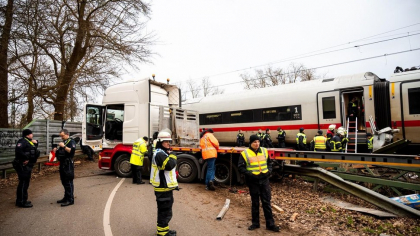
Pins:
x,y
4,45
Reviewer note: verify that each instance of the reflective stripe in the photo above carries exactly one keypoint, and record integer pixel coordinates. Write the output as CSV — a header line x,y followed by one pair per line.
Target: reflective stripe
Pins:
x,y
30,142
370,143
170,175
320,142
137,157
256,163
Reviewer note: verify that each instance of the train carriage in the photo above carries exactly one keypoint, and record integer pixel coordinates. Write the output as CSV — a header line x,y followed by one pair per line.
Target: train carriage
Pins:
x,y
315,105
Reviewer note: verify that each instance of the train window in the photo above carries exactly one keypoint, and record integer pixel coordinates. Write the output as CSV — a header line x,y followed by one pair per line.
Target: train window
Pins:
x,y
414,100
241,116
282,113
328,108
210,119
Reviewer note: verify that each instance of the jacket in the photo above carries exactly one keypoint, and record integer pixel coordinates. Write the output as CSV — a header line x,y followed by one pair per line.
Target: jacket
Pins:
x,y
209,146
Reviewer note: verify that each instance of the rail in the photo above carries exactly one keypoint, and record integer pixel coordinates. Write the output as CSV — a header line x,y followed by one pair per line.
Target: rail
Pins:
x,y
42,159
355,189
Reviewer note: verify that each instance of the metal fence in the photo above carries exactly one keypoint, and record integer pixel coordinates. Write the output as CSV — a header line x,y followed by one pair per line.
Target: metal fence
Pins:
x,y
44,131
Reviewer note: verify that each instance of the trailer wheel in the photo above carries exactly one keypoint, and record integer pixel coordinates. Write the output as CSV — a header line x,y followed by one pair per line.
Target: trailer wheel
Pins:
x,y
222,172
122,166
187,170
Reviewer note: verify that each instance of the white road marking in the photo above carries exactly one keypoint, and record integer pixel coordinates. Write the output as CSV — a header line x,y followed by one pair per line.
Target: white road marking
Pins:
x,y
107,211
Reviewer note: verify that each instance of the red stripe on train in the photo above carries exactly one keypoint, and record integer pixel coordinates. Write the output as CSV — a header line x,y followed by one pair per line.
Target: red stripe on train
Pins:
x,y
410,123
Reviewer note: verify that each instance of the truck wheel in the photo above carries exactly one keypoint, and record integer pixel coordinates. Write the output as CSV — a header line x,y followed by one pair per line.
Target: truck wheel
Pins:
x,y
122,166
187,170
222,172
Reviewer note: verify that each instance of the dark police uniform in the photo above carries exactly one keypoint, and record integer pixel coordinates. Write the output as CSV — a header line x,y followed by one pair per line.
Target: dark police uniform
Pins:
x,y
240,139
267,141
25,151
67,170
281,138
163,179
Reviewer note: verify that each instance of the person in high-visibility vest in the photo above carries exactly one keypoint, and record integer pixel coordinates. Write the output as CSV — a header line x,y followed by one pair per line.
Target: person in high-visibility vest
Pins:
x,y
240,139
261,135
163,179
137,158
369,139
256,165
335,142
319,143
209,146
301,140
281,137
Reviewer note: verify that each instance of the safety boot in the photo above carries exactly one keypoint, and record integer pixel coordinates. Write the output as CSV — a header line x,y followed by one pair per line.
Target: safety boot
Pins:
x,y
171,233
62,200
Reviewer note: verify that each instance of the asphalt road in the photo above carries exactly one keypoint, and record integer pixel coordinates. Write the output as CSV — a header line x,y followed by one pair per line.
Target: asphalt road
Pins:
x,y
133,209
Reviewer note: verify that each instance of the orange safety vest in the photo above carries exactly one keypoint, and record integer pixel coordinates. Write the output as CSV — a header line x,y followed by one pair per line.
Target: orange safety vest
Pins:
x,y
209,146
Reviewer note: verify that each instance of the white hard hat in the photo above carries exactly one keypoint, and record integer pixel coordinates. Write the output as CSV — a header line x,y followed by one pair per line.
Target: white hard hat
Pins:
x,y
341,132
340,129
164,136
331,127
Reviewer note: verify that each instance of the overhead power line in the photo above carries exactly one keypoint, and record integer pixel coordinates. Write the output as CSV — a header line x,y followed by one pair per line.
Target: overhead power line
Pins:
x,y
318,67
308,54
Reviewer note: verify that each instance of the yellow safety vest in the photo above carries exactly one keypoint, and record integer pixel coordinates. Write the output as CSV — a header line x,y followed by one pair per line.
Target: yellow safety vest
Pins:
x,y
320,142
170,175
257,164
370,143
137,154
304,138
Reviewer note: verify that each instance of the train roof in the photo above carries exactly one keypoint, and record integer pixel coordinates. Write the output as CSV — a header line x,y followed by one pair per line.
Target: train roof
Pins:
x,y
318,84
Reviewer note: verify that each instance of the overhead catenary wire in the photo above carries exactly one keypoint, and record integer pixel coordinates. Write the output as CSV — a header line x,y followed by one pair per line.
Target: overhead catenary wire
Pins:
x,y
301,56
314,68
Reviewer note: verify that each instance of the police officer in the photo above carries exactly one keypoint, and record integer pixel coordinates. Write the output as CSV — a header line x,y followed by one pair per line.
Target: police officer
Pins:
x,y
369,139
65,154
137,158
335,142
256,165
261,137
267,139
301,140
163,179
26,155
281,137
240,139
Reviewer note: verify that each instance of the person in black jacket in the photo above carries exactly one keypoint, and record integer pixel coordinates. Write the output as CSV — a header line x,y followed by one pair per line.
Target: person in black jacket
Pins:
x,y
268,143
281,137
26,155
240,139
65,154
256,165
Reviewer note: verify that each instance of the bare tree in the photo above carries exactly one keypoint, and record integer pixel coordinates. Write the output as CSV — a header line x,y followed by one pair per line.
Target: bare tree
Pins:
x,y
208,88
6,13
193,88
75,45
273,77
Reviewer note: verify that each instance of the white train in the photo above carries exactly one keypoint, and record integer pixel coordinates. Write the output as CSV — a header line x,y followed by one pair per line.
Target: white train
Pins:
x,y
316,104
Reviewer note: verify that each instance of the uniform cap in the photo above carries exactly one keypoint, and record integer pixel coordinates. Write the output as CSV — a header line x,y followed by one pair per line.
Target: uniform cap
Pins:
x,y
320,132
301,129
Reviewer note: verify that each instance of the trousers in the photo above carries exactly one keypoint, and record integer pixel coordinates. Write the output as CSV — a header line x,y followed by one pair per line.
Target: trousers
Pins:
x,y
164,200
24,175
210,170
66,176
261,190
136,173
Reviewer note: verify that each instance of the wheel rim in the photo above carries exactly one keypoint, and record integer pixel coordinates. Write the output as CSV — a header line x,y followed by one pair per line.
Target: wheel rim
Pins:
x,y
125,166
222,173
184,170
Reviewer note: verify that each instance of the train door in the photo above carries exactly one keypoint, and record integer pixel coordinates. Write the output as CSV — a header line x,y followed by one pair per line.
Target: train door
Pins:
x,y
410,110
328,109
353,102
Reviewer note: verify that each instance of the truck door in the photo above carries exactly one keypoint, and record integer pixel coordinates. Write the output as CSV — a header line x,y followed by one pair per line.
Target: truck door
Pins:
x,y
328,109
92,126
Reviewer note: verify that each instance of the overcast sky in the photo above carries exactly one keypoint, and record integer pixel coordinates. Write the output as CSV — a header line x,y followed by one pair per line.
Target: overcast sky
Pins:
x,y
222,38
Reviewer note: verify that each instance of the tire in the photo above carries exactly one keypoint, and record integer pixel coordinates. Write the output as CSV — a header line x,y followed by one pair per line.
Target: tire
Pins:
x,y
187,170
122,166
222,172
